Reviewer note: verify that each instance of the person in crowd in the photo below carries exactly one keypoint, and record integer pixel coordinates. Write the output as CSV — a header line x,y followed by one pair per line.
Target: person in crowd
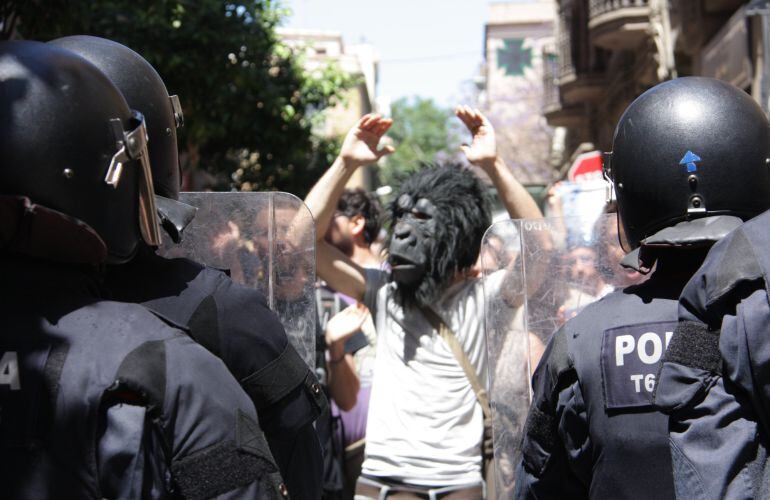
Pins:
x,y
611,252
353,229
230,320
425,422
584,283
712,383
345,357
99,399
685,173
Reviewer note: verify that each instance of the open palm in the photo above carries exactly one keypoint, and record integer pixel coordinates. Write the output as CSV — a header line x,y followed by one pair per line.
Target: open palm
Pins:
x,y
345,323
482,151
361,144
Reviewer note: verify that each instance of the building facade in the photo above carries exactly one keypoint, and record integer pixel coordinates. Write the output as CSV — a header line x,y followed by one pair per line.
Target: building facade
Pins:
x,y
516,39
320,48
608,52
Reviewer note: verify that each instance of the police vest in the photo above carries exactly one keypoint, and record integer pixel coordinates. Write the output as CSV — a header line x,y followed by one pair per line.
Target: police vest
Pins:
x,y
230,320
66,357
615,346
234,323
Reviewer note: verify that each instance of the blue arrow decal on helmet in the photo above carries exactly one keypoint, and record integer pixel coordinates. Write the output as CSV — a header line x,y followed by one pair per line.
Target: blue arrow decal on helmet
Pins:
x,y
690,159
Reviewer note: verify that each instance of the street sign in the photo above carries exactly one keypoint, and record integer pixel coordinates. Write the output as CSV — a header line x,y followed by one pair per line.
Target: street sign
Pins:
x,y
586,167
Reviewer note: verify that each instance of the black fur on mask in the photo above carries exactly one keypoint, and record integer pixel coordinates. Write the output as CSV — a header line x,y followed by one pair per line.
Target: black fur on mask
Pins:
x,y
462,217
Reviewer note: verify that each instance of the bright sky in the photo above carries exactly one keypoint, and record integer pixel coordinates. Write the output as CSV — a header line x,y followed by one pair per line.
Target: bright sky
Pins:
x,y
429,48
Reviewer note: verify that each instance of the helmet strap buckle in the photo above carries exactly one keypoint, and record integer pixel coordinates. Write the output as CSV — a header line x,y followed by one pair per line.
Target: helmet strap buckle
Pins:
x,y
176,107
607,176
132,145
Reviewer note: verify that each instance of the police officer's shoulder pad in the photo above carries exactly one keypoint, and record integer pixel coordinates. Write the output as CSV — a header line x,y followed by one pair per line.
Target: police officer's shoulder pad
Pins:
x,y
730,273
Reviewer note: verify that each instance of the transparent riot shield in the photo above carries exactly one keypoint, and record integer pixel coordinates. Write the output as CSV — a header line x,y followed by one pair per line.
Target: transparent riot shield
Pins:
x,y
507,346
538,274
265,241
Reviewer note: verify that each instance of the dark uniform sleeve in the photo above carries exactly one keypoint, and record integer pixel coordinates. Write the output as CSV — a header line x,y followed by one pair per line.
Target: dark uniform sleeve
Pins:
x,y
121,450
714,435
555,446
193,427
705,384
282,387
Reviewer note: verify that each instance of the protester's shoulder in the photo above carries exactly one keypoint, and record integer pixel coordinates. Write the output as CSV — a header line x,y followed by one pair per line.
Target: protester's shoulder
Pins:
x,y
376,278
493,281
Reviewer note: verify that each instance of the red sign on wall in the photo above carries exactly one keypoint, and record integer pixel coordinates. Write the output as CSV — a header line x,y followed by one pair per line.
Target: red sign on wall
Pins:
x,y
586,167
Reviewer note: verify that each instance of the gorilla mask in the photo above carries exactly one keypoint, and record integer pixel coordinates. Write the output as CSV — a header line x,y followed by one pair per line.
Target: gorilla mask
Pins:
x,y
438,220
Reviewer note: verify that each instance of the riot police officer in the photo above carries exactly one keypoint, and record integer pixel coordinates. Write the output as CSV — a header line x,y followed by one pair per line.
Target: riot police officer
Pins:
x,y
688,165
713,380
98,399
230,320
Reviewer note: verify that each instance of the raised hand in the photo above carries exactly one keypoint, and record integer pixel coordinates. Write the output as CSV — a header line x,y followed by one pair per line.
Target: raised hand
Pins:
x,y
345,323
482,150
361,145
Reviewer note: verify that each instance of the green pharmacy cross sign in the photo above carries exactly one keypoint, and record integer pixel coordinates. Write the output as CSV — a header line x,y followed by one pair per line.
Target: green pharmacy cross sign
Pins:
x,y
513,58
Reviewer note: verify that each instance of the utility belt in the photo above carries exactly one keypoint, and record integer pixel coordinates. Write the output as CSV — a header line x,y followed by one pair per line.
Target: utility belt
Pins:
x,y
371,488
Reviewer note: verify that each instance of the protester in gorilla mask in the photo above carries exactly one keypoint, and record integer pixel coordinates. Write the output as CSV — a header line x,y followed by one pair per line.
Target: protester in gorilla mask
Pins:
x,y
441,208
425,424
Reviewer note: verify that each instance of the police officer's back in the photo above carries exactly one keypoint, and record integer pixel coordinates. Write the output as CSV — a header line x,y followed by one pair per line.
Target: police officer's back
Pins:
x,y
98,399
685,174
713,381
230,320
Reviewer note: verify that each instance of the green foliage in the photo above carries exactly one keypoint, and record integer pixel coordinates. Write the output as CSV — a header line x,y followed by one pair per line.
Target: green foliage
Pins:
x,y
422,132
248,103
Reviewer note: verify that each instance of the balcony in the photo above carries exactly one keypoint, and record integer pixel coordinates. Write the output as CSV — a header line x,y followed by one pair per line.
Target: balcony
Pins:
x,y
551,99
618,24
567,89
581,88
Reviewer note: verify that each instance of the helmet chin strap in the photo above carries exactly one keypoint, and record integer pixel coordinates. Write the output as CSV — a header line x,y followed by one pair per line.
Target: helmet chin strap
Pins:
x,y
38,231
609,192
132,146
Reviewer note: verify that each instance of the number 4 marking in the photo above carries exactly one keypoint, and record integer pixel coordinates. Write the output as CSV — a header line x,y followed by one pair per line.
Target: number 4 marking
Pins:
x,y
9,371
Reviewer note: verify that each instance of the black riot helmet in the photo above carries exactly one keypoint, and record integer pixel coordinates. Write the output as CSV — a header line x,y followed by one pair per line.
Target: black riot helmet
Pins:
x,y
70,145
685,150
144,91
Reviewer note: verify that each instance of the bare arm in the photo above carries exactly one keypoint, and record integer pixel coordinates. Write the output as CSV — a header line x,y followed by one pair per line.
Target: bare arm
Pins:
x,y
344,383
360,147
339,271
482,152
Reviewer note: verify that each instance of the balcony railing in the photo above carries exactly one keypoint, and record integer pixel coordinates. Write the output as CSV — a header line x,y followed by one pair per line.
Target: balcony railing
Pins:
x,y
618,24
599,7
551,73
